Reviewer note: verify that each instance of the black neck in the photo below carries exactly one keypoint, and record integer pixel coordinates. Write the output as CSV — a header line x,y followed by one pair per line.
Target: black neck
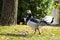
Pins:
x,y
28,17
52,20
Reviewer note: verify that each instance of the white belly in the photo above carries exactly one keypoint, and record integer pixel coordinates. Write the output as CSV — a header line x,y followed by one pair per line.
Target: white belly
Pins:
x,y
32,24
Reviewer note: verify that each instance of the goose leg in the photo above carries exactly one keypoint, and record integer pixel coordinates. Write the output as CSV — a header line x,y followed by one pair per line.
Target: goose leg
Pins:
x,y
38,30
35,30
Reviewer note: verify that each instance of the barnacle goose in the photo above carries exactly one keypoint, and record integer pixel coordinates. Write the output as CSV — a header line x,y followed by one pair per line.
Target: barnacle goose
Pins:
x,y
33,22
49,19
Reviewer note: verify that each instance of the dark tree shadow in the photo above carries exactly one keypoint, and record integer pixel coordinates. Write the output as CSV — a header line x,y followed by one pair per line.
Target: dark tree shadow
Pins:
x,y
52,25
17,35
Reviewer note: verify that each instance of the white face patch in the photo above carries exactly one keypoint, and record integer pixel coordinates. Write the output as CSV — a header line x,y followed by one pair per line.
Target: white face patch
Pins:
x,y
29,11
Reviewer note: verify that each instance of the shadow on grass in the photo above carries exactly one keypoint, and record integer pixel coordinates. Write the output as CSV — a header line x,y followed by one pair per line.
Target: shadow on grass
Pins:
x,y
17,35
52,25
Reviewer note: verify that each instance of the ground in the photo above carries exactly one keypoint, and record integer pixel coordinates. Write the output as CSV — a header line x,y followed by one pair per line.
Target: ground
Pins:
x,y
23,32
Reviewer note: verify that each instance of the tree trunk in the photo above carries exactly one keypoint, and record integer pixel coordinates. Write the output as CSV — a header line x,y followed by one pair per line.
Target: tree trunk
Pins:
x,y
9,12
59,16
56,16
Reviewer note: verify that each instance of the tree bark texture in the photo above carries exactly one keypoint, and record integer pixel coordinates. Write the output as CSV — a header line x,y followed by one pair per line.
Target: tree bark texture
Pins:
x,y
9,12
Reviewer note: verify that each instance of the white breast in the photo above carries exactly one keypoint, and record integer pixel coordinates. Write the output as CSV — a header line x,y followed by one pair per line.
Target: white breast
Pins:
x,y
32,24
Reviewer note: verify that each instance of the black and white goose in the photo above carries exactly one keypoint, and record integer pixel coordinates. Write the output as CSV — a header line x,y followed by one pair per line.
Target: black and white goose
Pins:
x,y
35,23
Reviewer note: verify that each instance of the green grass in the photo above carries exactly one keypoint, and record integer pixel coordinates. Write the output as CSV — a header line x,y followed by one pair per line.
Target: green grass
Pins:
x,y
23,32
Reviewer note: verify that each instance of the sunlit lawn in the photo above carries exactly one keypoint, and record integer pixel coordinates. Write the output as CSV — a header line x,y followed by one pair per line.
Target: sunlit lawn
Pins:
x,y
23,32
